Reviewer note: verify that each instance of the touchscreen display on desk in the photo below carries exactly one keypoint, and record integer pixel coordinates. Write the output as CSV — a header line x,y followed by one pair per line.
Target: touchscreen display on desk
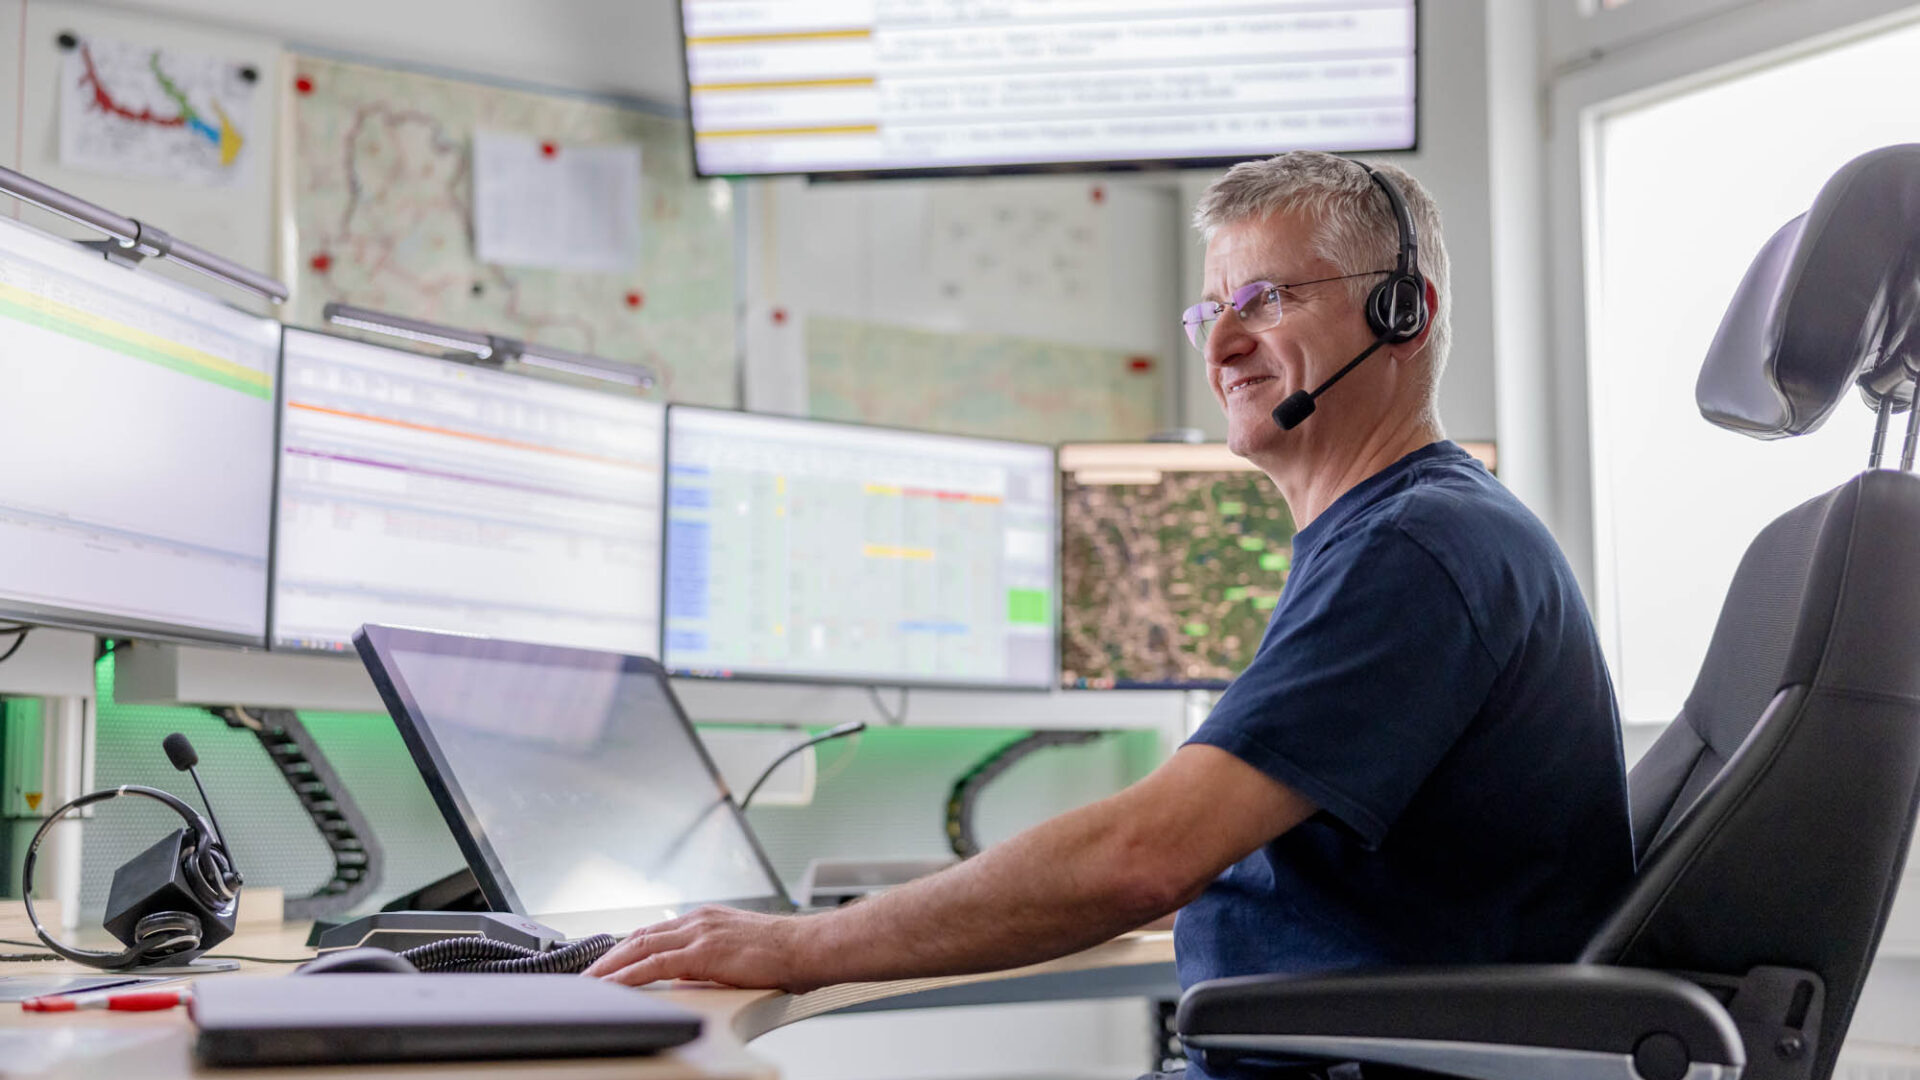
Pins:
x,y
576,776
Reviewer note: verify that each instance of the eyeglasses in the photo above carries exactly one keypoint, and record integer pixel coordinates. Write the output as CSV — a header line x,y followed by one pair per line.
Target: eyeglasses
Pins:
x,y
1257,303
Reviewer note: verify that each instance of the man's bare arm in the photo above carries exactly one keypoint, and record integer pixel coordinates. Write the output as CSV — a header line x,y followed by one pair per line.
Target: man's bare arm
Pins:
x,y
1058,887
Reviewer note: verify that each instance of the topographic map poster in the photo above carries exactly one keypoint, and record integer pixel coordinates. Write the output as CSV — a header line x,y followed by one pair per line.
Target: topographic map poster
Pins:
x,y
131,109
379,189
977,384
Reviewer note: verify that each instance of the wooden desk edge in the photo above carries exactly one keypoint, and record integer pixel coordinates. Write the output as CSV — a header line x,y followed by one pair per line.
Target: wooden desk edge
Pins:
x,y
733,1018
768,1010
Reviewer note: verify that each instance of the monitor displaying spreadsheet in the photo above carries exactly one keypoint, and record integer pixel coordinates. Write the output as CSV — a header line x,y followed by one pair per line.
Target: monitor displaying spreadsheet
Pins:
x,y
804,549
431,493
910,87
136,449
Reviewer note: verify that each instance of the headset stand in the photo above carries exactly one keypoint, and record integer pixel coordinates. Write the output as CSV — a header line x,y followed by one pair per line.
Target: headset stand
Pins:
x,y
192,967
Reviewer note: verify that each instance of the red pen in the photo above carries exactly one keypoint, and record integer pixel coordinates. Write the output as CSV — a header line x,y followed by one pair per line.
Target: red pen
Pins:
x,y
134,1001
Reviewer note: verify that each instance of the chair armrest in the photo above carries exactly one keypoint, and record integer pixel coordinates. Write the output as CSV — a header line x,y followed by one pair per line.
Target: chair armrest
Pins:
x,y
1573,1021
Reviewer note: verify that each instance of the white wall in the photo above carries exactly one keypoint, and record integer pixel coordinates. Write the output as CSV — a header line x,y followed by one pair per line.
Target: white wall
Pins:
x,y
872,252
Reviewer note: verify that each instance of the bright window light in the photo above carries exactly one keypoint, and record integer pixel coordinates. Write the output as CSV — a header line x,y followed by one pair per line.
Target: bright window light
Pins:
x,y
1688,189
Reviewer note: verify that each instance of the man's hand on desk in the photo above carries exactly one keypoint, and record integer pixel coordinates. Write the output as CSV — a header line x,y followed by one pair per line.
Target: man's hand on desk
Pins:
x,y
1061,886
713,944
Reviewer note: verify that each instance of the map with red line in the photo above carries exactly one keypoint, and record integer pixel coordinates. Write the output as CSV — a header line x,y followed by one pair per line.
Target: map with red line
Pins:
x,y
127,108
380,191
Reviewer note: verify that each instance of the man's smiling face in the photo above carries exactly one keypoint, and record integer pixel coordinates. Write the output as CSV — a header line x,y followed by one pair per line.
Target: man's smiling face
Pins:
x,y
1321,327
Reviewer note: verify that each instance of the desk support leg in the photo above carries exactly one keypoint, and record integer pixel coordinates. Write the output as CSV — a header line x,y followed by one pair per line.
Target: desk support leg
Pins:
x,y
66,774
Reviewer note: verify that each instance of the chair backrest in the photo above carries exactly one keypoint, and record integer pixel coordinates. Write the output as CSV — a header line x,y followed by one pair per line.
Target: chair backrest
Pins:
x,y
1774,815
1777,824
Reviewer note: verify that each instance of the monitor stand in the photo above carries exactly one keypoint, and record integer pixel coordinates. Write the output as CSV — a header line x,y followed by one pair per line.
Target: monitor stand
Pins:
x,y
457,891
449,907
397,931
202,966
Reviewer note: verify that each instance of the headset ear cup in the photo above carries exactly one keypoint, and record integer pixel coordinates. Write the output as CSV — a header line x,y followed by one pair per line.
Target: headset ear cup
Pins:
x,y
227,879
164,933
1397,308
1380,309
1411,310
211,873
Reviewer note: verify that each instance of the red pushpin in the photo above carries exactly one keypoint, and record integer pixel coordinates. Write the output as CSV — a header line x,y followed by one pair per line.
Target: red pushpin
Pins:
x,y
321,263
548,150
779,316
1140,365
1098,194
303,84
634,300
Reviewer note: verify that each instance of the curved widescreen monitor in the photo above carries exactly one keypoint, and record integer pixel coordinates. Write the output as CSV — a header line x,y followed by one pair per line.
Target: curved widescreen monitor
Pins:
x,y
911,87
571,779
136,449
434,493
801,549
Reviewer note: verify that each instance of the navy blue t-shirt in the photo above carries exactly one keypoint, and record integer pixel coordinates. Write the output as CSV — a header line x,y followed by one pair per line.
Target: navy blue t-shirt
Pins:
x,y
1432,682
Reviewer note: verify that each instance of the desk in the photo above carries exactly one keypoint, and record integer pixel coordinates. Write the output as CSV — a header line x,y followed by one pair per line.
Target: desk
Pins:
x,y
101,1044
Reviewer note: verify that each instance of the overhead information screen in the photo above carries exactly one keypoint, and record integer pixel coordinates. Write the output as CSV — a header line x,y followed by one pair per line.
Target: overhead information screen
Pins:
x,y
136,462
1175,556
430,493
802,549
879,86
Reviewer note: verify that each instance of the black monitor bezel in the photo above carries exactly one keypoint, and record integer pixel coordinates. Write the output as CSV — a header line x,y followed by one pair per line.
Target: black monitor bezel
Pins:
x,y
109,624
374,643
1146,166
855,679
346,649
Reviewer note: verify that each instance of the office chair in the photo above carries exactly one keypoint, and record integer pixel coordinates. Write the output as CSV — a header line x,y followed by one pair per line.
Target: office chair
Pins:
x,y
1773,816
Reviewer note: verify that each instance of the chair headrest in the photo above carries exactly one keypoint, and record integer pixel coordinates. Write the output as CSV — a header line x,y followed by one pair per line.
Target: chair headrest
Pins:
x,y
1831,301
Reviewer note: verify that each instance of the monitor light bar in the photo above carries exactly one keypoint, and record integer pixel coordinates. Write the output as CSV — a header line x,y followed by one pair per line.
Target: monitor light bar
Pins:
x,y
491,349
131,240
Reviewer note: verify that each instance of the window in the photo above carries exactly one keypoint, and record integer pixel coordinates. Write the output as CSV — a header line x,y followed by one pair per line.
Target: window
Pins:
x,y
1684,191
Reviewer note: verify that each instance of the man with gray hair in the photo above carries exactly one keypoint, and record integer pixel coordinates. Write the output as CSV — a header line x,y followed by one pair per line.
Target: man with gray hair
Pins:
x,y
1422,763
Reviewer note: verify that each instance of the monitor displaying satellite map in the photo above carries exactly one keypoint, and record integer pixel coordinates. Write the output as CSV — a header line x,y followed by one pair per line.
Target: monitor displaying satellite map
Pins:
x,y
1175,555
1174,558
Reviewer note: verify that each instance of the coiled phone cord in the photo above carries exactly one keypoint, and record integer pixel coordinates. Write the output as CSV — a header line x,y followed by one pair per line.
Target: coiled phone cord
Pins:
x,y
486,954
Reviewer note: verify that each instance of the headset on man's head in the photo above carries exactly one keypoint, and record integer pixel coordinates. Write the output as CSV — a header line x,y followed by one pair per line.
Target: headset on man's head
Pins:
x,y
1396,309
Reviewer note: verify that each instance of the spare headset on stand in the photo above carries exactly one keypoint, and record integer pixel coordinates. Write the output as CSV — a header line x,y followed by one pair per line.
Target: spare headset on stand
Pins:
x,y
1396,308
171,902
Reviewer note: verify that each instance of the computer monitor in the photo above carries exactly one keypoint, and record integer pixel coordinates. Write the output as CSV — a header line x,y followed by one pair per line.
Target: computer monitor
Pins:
x,y
574,784
905,89
434,493
1174,557
136,477
800,549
